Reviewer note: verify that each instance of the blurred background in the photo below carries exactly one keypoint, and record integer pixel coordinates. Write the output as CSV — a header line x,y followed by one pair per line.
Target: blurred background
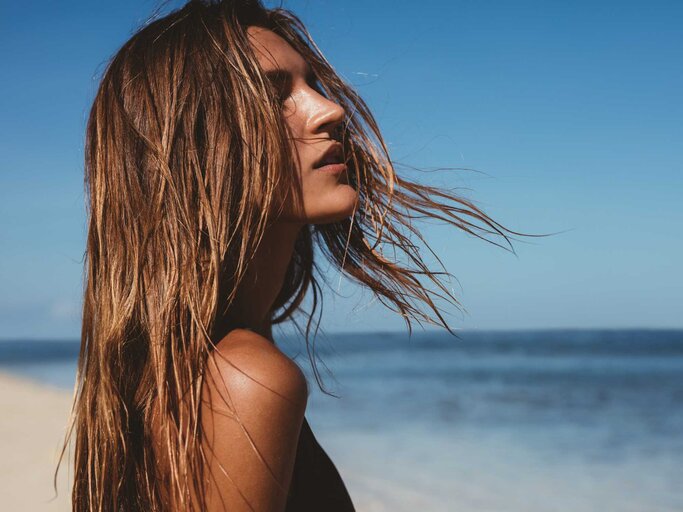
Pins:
x,y
564,390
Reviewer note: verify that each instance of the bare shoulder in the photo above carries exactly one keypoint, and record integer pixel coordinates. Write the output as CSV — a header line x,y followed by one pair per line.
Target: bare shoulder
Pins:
x,y
251,362
254,403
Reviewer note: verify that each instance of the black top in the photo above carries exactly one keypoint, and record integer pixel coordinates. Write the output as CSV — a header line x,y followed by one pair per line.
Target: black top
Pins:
x,y
316,484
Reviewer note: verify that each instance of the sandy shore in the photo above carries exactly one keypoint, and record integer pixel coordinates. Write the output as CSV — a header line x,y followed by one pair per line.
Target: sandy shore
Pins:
x,y
33,419
32,425
384,471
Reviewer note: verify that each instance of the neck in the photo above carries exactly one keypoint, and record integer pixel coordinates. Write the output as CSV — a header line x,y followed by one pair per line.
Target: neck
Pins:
x,y
264,279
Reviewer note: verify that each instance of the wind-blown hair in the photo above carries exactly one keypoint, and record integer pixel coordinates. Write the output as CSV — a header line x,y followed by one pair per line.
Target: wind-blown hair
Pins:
x,y
185,147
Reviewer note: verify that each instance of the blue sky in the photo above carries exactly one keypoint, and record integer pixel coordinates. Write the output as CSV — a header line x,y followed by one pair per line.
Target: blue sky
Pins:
x,y
571,109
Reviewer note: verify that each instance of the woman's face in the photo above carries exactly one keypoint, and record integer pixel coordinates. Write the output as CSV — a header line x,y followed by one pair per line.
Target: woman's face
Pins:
x,y
313,121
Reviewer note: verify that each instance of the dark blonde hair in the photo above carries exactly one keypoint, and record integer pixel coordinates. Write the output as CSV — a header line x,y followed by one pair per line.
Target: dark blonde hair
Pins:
x,y
185,145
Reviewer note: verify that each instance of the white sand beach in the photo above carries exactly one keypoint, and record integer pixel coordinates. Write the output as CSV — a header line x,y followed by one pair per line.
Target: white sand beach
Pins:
x,y
33,423
32,426
384,471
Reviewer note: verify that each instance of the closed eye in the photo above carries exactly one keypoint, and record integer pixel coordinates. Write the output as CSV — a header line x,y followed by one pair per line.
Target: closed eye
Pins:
x,y
281,81
312,81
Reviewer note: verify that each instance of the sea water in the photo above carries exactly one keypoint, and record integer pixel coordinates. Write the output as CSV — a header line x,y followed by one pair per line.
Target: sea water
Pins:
x,y
557,420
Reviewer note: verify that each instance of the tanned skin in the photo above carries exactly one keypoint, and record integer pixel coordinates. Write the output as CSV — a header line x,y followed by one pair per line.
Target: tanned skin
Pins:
x,y
252,455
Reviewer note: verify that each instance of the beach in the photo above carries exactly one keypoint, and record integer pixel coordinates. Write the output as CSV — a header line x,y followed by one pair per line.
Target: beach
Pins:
x,y
32,427
576,421
34,418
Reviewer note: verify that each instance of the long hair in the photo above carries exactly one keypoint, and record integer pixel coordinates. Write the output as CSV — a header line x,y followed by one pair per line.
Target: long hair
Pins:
x,y
185,144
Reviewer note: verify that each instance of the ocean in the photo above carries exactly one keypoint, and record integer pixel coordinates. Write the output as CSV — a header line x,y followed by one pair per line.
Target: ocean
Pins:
x,y
547,420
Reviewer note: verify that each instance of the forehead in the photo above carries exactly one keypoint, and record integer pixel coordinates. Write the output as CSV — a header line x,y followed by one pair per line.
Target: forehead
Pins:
x,y
273,52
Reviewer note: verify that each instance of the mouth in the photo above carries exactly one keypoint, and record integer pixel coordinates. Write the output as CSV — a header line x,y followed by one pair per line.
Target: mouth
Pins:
x,y
332,160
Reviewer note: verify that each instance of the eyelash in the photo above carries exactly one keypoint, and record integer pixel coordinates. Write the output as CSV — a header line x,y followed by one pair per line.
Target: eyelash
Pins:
x,y
283,90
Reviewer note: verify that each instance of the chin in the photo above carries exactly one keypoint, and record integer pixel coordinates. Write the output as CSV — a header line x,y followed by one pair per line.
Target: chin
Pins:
x,y
333,207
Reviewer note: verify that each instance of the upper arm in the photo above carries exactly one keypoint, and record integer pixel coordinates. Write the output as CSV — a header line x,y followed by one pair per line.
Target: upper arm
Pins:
x,y
253,407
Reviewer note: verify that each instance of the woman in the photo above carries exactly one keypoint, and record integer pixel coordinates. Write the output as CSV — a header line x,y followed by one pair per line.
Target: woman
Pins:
x,y
221,148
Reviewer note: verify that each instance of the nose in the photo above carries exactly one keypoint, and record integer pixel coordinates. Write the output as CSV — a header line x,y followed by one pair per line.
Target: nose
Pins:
x,y
328,117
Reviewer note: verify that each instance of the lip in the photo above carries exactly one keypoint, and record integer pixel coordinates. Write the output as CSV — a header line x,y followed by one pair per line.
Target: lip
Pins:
x,y
334,151
331,168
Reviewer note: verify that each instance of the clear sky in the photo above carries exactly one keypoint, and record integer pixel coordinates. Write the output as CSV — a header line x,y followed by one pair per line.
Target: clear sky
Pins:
x,y
574,110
